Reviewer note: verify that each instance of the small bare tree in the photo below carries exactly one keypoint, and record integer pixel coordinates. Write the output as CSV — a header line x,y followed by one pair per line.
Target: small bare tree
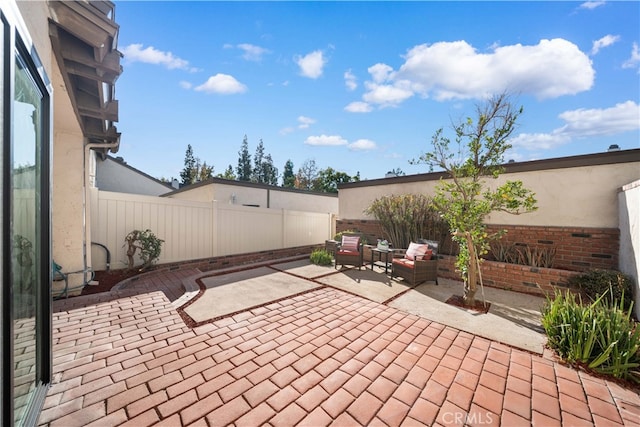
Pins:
x,y
466,199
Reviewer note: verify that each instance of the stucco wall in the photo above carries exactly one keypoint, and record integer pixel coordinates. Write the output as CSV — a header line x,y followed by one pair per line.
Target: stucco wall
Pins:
x,y
629,206
581,196
67,213
262,196
112,175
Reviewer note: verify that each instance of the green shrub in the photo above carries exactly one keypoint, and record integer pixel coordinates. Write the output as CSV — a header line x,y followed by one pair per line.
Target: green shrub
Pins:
x,y
614,284
321,257
601,336
405,218
150,247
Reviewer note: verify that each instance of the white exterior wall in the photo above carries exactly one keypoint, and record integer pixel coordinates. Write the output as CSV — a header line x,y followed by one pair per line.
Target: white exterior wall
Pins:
x,y
301,201
580,196
272,198
114,176
629,261
67,170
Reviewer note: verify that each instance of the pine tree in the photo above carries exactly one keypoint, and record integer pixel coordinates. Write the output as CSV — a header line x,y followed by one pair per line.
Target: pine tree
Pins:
x,y
288,177
270,171
244,162
188,174
258,174
228,173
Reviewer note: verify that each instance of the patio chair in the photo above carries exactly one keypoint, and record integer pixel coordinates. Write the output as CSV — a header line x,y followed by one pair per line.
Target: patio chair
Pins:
x,y
350,251
419,263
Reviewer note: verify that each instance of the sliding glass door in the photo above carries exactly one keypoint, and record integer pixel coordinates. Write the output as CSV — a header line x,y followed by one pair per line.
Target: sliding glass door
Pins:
x,y
25,269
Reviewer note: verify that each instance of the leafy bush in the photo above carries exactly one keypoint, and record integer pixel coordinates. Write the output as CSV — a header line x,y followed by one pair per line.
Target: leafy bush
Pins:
x,y
407,217
601,336
150,247
533,256
596,283
321,257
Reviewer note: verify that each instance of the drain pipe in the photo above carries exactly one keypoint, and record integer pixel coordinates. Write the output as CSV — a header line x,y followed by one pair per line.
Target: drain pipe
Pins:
x,y
85,189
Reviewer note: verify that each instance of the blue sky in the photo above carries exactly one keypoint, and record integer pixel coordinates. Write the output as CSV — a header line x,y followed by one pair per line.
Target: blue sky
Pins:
x,y
363,86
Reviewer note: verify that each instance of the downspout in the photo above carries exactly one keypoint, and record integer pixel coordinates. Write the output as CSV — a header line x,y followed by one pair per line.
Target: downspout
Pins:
x,y
85,190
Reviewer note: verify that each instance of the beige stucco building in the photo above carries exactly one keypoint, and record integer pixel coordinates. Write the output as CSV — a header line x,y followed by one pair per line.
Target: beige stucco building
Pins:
x,y
257,195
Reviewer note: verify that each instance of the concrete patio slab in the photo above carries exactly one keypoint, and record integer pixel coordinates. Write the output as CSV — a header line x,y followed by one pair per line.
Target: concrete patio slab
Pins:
x,y
513,318
233,292
373,285
304,268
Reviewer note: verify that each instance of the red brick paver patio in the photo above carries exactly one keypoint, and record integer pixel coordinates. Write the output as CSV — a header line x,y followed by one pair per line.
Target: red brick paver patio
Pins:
x,y
322,358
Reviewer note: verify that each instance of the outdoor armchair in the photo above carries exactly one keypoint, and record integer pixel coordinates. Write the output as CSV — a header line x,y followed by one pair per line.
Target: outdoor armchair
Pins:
x,y
350,251
418,264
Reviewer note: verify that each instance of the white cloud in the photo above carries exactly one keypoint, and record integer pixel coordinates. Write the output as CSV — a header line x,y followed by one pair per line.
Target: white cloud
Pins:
x,y
312,64
223,84
380,72
350,80
287,130
362,145
582,123
150,55
605,41
326,140
253,52
456,70
634,60
600,122
592,4
185,85
387,95
305,122
359,107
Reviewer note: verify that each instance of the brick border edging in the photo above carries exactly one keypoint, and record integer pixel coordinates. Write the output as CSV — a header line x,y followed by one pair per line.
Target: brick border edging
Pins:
x,y
223,262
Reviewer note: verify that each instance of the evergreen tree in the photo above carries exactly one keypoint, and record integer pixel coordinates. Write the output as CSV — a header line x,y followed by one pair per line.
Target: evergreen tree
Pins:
x,y
244,162
288,177
269,171
204,171
188,174
228,173
258,174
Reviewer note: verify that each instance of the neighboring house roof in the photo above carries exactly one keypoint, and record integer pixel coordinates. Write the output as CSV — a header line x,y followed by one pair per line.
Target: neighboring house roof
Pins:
x,y
611,157
248,184
133,181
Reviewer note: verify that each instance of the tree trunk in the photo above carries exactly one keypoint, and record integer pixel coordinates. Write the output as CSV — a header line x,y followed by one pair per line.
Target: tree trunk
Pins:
x,y
471,284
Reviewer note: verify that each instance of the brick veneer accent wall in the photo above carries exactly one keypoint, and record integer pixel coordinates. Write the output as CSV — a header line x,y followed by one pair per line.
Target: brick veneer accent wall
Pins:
x,y
519,278
577,248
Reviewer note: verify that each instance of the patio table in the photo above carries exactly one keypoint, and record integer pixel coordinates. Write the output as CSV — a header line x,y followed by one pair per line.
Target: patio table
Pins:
x,y
381,252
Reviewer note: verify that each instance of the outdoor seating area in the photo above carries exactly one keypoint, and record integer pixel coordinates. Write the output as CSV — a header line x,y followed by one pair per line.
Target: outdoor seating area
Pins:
x,y
418,264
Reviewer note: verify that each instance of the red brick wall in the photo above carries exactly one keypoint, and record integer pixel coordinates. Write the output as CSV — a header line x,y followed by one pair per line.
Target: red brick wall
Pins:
x,y
519,278
577,248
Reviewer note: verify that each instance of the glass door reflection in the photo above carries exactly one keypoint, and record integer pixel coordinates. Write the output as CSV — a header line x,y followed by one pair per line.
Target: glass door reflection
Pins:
x,y
26,236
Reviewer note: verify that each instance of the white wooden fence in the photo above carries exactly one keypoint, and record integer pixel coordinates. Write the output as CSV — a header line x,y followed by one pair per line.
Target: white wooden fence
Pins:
x,y
194,230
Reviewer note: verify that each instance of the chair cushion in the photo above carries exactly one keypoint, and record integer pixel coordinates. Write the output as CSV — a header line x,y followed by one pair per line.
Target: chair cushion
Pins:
x,y
417,251
349,253
350,243
404,262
